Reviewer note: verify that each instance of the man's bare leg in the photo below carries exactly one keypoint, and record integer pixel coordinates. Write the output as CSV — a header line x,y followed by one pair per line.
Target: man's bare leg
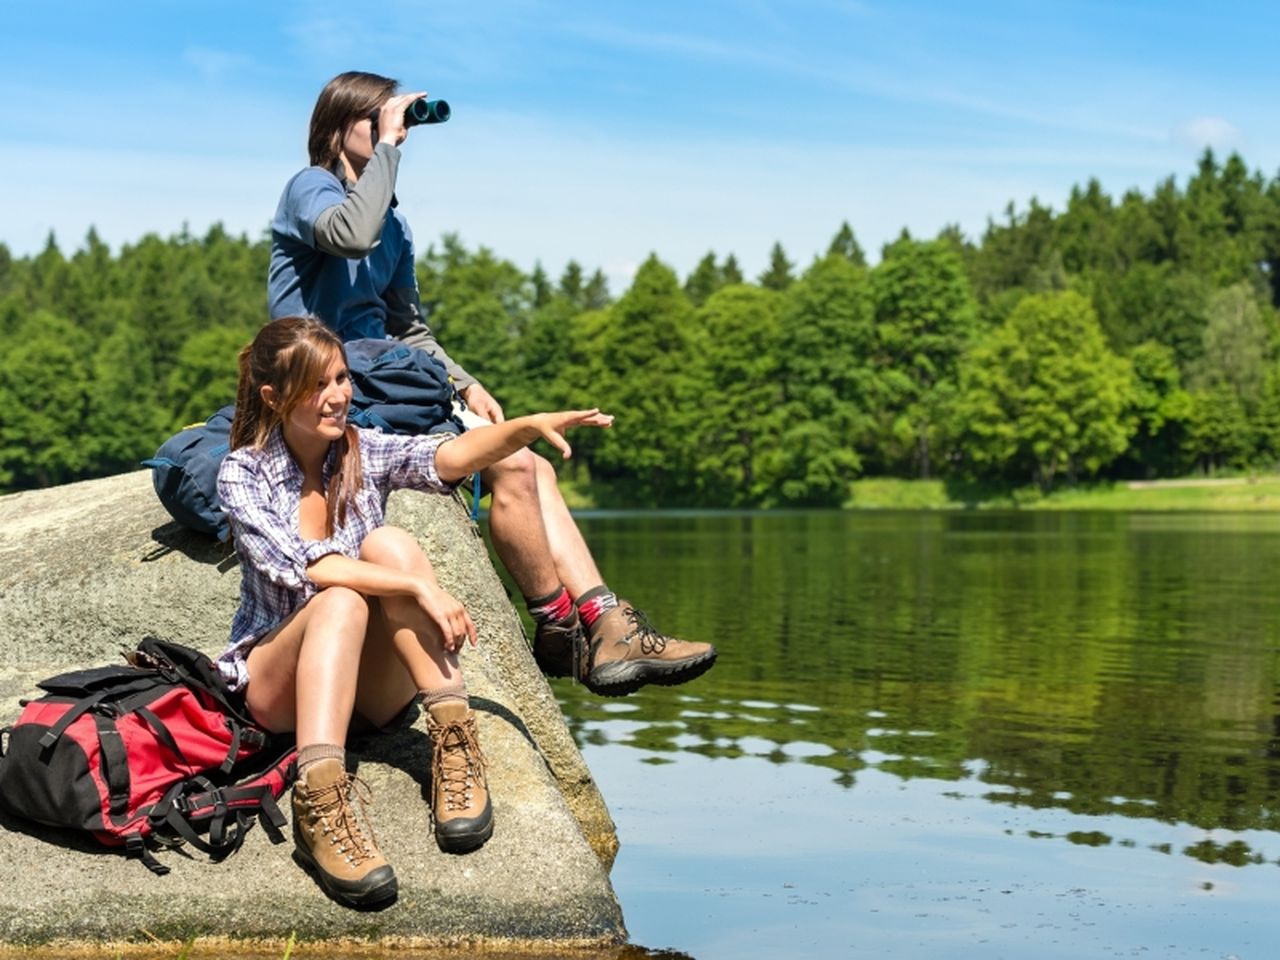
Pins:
x,y
516,524
582,628
574,564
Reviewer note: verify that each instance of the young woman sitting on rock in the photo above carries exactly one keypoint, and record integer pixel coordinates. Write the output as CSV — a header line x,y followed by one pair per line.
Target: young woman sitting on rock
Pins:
x,y
341,616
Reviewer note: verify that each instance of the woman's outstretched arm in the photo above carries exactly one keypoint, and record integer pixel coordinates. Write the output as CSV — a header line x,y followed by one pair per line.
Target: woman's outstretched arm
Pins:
x,y
483,446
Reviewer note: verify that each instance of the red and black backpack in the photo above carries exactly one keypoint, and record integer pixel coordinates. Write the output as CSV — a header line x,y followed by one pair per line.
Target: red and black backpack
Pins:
x,y
153,751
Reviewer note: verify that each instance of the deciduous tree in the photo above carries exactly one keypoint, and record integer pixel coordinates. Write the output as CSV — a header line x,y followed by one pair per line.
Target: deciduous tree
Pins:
x,y
1042,396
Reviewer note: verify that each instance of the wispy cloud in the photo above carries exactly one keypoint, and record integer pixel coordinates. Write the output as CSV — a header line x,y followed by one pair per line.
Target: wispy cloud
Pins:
x,y
868,78
331,38
667,42
216,65
1215,132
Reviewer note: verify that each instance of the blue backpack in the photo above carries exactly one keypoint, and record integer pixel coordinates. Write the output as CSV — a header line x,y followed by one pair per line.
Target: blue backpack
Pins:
x,y
395,388
399,389
184,472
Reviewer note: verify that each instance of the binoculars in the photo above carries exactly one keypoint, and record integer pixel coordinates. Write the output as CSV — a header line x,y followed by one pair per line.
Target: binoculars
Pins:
x,y
420,111
423,110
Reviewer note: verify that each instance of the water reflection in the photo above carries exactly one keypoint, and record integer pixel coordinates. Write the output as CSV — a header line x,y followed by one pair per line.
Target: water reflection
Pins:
x,y
1101,665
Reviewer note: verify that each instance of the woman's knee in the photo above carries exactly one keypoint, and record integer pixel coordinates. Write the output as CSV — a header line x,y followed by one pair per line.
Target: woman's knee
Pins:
x,y
395,548
341,606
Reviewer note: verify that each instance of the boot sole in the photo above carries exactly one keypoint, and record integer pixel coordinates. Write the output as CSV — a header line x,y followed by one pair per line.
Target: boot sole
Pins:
x,y
465,842
627,676
376,895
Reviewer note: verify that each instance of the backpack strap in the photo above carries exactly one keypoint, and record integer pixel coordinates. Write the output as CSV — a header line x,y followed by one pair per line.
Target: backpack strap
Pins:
x,y
257,793
136,848
115,765
74,713
144,680
222,842
272,820
230,760
229,811
160,730
239,736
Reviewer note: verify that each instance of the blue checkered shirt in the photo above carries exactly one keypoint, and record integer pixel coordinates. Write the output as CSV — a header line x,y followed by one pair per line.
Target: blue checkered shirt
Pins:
x,y
260,489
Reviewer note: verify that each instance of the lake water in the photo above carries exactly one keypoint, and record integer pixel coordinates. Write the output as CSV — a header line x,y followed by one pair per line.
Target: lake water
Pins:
x,y
936,735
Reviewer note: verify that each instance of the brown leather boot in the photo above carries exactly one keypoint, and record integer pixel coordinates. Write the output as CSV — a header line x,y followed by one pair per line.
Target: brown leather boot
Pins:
x,y
459,788
558,644
626,652
331,842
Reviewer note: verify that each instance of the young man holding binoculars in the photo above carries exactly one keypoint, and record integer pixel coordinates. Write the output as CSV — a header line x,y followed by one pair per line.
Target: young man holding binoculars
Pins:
x,y
341,250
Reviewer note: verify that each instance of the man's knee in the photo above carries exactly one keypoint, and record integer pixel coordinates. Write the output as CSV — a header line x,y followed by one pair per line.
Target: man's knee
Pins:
x,y
543,468
513,475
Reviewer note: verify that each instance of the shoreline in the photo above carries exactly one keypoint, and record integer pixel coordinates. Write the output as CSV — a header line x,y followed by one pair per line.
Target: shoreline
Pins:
x,y
1239,494
1190,494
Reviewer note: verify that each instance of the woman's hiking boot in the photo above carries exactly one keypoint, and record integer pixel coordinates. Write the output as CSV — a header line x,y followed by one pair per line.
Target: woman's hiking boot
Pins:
x,y
557,644
459,787
626,652
331,841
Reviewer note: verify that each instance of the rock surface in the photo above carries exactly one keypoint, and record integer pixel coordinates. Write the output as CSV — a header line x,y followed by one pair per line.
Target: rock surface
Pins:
x,y
87,569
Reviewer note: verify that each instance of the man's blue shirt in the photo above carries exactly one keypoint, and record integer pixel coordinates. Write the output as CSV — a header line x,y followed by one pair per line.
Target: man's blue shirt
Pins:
x,y
348,295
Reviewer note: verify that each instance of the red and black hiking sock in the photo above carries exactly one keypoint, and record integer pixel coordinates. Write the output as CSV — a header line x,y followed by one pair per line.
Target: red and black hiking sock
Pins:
x,y
595,603
554,606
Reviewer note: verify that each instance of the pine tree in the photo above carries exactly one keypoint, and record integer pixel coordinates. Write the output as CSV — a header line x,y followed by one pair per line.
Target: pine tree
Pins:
x,y
845,244
778,276
703,281
571,283
542,291
595,295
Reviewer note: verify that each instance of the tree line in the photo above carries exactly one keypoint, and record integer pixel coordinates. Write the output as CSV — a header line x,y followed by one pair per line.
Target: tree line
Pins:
x,y
1130,337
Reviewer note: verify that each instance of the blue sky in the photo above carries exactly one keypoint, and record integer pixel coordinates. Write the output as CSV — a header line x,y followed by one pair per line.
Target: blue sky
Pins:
x,y
604,131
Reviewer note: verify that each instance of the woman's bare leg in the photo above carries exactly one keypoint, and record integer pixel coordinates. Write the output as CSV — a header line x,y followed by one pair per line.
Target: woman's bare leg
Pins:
x,y
403,653
303,675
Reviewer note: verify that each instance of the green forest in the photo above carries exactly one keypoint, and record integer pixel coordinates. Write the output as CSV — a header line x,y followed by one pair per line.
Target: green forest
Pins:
x,y
1116,338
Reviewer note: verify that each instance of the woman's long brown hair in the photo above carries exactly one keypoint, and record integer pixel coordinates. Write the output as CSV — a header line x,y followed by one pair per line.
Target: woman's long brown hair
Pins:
x,y
291,355
345,99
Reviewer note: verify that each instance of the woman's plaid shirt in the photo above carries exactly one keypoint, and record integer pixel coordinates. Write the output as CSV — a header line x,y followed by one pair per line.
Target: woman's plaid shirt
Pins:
x,y
260,489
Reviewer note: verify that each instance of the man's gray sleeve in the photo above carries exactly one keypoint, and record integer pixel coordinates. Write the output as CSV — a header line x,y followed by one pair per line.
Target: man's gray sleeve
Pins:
x,y
404,322
352,228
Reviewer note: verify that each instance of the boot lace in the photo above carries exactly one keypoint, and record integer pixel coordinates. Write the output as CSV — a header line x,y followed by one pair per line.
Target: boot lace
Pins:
x,y
338,820
652,642
457,763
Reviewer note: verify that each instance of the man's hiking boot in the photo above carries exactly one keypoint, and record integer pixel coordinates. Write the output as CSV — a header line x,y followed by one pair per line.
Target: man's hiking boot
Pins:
x,y
331,841
626,652
558,643
459,787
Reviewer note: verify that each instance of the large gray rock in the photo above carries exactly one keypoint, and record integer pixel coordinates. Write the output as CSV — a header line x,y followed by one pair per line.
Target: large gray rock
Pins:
x,y
89,568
